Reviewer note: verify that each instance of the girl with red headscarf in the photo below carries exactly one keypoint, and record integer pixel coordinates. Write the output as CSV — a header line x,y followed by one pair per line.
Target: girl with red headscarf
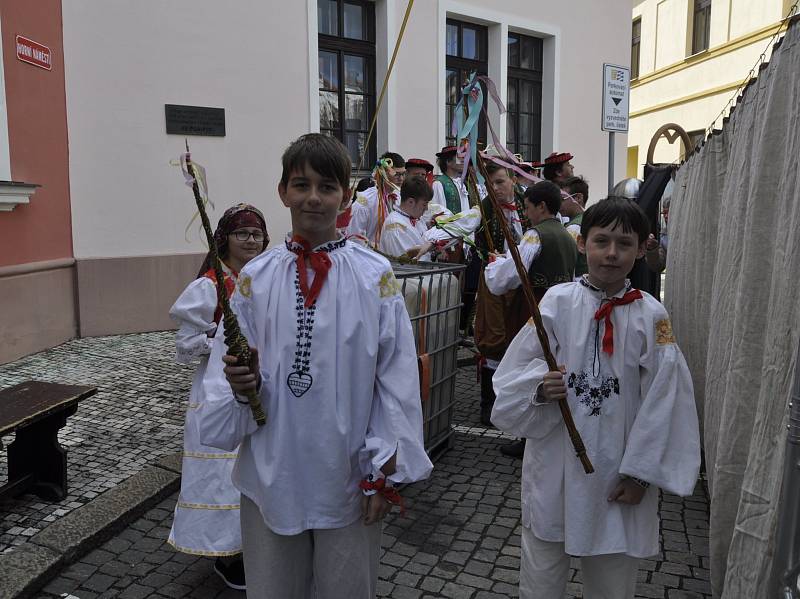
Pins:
x,y
206,518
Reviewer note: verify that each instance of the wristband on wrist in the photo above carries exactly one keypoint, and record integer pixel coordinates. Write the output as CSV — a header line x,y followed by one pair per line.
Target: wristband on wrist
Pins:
x,y
371,486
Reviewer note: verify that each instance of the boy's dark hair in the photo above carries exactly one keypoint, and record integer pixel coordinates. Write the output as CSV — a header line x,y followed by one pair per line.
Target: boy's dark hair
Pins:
x,y
397,159
363,184
551,171
492,168
442,163
616,212
547,192
325,154
417,189
575,185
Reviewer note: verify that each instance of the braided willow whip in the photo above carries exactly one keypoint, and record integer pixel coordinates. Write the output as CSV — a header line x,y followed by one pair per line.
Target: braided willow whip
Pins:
x,y
236,342
574,435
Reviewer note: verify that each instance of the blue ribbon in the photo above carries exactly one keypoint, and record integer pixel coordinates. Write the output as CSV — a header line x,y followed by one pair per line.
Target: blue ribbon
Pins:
x,y
468,129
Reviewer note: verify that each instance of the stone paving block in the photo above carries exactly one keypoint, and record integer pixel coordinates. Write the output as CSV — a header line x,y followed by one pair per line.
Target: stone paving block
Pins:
x,y
26,569
86,526
457,591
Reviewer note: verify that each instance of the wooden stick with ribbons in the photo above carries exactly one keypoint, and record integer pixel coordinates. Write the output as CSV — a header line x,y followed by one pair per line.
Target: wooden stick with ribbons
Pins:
x,y
237,344
574,435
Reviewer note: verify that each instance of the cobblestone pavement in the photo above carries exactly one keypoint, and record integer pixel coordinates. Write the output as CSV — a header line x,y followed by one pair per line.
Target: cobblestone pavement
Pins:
x,y
135,418
460,538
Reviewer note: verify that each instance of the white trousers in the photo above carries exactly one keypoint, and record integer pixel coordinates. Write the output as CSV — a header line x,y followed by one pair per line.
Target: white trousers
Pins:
x,y
336,563
544,569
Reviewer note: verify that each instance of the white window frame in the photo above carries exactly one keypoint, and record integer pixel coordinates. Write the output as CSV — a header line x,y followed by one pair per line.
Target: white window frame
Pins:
x,y
5,154
499,24
386,30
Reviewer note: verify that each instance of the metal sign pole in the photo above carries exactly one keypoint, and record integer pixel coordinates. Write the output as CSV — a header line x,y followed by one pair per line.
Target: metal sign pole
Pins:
x,y
610,161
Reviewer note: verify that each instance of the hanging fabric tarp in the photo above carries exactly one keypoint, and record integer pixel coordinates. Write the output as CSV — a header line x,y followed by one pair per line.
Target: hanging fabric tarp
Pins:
x,y
733,291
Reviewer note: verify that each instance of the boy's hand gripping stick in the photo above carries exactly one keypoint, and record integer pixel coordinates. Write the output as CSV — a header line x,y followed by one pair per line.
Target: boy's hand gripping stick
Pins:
x,y
236,342
574,435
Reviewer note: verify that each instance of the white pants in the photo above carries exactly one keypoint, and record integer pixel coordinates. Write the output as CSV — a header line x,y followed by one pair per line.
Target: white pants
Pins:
x,y
336,563
544,569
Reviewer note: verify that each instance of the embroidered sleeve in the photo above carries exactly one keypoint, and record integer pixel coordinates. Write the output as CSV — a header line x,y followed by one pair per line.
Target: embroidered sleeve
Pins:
x,y
362,199
245,286
394,226
574,231
388,285
664,334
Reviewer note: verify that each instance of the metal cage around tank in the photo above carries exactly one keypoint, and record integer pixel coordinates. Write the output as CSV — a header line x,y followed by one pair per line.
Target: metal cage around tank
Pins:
x,y
432,293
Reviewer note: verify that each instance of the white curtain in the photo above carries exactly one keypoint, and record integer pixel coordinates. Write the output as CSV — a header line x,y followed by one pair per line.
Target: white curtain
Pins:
x,y
733,291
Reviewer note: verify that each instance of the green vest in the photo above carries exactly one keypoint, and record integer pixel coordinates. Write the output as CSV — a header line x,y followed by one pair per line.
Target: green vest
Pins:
x,y
556,262
451,195
581,268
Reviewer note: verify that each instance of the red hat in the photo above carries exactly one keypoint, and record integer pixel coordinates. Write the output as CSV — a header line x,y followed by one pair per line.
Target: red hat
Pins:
x,y
556,158
419,163
447,151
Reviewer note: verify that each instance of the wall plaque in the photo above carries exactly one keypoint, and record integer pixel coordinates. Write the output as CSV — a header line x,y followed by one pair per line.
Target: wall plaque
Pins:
x,y
194,120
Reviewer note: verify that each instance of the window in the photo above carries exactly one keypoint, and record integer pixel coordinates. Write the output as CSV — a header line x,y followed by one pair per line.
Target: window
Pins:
x,y
524,116
636,38
697,136
466,49
701,25
347,73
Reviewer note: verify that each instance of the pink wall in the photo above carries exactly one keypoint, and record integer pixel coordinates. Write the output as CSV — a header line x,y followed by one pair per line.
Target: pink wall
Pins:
x,y
37,134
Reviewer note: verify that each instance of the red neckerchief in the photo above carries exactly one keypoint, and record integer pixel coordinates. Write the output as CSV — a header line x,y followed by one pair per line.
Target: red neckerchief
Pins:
x,y
510,206
605,312
320,262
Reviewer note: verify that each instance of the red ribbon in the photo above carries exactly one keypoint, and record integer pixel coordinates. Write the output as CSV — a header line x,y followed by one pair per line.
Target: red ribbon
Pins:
x,y
320,262
390,494
510,206
605,312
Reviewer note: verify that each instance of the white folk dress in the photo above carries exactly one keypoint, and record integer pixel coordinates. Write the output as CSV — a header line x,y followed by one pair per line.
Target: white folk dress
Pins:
x,y
401,233
339,386
206,518
634,409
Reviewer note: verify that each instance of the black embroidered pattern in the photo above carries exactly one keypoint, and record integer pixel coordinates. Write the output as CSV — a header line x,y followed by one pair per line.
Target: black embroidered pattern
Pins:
x,y
589,393
300,380
329,247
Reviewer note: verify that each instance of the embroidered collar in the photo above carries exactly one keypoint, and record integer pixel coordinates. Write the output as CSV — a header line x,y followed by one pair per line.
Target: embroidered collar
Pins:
x,y
328,246
584,280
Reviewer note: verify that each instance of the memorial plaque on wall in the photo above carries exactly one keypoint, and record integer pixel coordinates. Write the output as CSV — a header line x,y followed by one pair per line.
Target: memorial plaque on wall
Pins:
x,y
195,120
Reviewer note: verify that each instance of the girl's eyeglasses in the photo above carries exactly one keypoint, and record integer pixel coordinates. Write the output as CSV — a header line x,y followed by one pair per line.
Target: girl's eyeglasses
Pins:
x,y
257,236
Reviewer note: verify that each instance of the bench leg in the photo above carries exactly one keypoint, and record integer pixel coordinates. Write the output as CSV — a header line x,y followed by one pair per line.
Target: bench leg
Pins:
x,y
36,455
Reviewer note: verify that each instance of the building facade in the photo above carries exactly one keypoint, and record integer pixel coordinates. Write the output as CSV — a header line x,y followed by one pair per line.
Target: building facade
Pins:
x,y
688,57
278,69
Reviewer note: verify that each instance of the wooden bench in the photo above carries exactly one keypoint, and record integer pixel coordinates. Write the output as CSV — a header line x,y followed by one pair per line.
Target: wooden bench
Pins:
x,y
35,411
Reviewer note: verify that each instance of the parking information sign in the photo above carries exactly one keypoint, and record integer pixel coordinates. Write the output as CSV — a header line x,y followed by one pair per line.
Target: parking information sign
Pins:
x,y
616,92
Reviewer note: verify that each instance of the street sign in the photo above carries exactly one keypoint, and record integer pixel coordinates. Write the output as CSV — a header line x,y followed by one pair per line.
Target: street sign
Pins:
x,y
34,53
616,93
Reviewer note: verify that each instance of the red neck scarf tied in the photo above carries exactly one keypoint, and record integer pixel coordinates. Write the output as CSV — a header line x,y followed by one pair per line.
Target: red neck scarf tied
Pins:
x,y
605,312
510,206
320,262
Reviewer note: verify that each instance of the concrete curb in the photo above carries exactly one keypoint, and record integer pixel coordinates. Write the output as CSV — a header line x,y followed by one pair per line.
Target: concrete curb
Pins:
x,y
31,565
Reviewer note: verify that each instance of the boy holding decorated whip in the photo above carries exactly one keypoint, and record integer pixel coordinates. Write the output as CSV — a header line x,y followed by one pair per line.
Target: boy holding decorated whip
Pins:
x,y
335,367
631,397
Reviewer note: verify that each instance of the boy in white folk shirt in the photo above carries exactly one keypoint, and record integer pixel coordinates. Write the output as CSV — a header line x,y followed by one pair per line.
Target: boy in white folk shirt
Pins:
x,y
337,376
631,396
404,230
